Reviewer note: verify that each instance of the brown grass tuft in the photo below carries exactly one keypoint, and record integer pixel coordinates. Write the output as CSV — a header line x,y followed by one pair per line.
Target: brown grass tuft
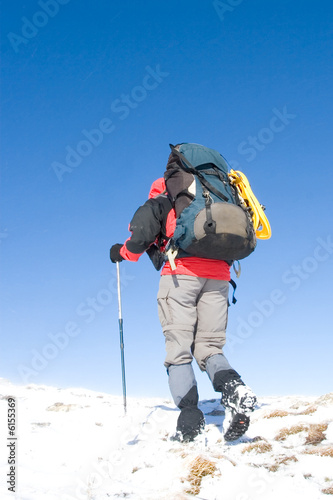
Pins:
x,y
62,407
199,468
299,403
323,451
311,409
325,399
316,433
328,491
285,432
273,468
277,413
281,460
259,447
286,460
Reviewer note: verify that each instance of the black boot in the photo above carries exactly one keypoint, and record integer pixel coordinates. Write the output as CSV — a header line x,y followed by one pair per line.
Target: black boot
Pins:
x,y
238,400
184,391
190,423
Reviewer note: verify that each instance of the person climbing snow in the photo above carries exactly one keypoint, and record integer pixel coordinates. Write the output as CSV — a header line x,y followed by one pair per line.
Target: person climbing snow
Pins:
x,y
192,308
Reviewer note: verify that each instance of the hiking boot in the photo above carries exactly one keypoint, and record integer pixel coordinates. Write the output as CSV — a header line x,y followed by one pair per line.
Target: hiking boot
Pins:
x,y
238,396
239,401
190,423
234,425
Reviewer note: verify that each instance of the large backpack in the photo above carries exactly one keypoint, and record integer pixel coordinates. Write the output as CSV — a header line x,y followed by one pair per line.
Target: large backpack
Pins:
x,y
212,220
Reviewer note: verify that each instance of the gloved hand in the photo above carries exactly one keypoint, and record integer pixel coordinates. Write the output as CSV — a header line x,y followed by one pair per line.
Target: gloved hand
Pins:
x,y
115,253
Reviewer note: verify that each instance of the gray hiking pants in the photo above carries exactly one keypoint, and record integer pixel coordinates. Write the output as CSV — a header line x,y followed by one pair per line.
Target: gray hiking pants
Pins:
x,y
193,313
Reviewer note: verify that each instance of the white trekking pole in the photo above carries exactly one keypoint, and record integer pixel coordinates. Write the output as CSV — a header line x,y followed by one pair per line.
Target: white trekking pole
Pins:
x,y
121,337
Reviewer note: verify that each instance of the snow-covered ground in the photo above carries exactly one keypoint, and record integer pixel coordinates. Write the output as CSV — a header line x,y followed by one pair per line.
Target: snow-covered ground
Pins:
x,y
77,444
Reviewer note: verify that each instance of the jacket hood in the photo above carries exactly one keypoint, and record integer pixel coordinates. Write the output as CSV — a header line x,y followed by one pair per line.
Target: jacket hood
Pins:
x,y
157,187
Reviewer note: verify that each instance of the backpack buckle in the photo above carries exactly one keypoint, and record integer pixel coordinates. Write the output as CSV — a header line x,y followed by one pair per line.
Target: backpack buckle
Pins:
x,y
171,251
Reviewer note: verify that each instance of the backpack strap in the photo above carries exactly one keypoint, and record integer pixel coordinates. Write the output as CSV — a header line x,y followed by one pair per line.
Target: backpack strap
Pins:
x,y
210,224
187,166
234,286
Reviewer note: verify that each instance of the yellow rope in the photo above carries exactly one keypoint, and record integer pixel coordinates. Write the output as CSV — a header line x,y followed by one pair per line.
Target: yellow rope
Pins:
x,y
260,221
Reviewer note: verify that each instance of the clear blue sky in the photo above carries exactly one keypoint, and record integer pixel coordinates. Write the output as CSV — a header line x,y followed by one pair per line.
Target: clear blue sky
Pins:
x,y
92,93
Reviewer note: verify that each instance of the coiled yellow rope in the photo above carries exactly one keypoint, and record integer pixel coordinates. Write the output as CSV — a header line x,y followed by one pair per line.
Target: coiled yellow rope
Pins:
x,y
260,221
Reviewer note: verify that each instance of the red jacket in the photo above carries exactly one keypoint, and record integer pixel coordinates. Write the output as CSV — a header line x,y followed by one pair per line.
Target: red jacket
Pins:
x,y
193,266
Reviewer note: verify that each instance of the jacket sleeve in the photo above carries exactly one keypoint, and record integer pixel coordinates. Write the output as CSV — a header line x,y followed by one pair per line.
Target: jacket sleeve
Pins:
x,y
146,225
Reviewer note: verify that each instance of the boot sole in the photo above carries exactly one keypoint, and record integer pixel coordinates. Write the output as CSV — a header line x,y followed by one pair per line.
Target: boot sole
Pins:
x,y
238,426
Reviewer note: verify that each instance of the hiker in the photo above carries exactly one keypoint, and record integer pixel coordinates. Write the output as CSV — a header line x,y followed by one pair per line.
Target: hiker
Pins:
x,y
193,311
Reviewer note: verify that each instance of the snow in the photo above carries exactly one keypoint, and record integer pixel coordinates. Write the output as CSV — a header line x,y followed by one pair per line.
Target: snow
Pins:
x,y
78,444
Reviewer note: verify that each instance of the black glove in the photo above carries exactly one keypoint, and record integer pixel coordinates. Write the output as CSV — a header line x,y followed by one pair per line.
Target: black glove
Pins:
x,y
157,257
115,253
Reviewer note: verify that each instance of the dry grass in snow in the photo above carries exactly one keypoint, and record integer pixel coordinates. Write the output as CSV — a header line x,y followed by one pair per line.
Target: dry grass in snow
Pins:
x,y
328,491
289,431
99,453
199,468
316,433
277,413
323,451
258,447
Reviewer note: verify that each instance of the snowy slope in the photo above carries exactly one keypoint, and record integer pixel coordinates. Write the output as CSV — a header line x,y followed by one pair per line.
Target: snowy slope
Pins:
x,y
77,444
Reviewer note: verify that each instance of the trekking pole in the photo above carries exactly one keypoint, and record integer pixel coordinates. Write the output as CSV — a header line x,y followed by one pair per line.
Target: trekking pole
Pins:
x,y
121,338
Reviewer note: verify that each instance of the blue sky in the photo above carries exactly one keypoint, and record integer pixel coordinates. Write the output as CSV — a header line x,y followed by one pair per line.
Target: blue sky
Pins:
x,y
92,93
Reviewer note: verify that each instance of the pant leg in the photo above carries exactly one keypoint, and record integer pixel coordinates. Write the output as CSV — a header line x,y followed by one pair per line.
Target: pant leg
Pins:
x,y
221,372
212,318
177,308
183,385
211,334
216,363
